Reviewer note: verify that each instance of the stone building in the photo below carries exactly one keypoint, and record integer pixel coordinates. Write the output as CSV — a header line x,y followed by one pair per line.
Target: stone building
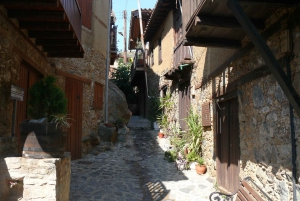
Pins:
x,y
242,77
67,39
32,46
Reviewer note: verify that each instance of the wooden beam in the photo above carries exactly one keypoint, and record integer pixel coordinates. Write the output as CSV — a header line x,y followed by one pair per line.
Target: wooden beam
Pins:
x,y
277,3
212,42
28,60
226,22
62,49
30,15
51,34
30,3
66,54
266,34
76,77
267,54
22,34
45,42
45,26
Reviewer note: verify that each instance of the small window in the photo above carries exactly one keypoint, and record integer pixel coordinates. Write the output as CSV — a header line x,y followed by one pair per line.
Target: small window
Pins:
x,y
98,96
159,51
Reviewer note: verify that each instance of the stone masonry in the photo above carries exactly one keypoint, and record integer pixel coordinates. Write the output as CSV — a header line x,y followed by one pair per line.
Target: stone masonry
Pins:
x,y
35,179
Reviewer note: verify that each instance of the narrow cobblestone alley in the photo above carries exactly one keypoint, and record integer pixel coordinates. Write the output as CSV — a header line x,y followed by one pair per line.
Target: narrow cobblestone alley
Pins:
x,y
134,170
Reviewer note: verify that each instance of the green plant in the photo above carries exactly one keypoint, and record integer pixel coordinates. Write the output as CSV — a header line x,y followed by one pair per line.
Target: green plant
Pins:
x,y
162,120
166,103
61,121
170,156
121,77
194,132
155,109
46,99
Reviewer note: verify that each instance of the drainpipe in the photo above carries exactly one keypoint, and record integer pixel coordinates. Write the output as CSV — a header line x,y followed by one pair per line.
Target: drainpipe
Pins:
x,y
293,138
107,61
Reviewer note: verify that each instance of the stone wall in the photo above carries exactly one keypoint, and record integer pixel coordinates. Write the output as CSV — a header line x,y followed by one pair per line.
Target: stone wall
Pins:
x,y
35,179
14,48
92,67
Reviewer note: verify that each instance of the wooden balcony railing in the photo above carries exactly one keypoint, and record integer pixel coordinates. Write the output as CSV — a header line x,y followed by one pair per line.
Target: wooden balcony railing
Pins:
x,y
138,63
188,10
180,54
73,12
113,38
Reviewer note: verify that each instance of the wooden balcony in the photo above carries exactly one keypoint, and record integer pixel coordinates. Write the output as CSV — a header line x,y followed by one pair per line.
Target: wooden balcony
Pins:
x,y
182,60
211,23
113,44
55,24
138,67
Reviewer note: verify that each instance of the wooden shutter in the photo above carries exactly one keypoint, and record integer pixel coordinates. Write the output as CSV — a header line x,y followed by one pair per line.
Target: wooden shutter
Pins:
x,y
86,12
98,96
206,114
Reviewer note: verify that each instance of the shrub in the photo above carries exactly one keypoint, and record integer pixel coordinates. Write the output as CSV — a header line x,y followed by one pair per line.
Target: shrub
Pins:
x,y
46,99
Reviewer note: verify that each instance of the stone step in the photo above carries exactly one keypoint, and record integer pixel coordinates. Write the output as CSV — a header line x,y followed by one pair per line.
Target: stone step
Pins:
x,y
139,123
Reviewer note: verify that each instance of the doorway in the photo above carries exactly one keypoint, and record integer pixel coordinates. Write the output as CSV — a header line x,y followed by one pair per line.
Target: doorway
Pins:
x,y
28,76
74,94
228,150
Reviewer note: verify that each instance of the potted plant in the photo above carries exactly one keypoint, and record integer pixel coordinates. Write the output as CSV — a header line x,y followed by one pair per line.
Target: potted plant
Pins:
x,y
44,135
200,166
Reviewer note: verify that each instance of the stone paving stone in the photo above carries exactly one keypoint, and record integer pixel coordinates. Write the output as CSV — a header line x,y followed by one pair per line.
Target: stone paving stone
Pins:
x,y
134,170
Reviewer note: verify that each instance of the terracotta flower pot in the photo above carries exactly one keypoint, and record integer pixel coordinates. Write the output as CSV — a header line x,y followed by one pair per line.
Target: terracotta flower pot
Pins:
x,y
200,169
160,135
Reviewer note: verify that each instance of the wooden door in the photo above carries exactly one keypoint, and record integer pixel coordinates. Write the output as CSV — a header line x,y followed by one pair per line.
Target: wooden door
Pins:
x,y
28,76
228,152
184,103
74,93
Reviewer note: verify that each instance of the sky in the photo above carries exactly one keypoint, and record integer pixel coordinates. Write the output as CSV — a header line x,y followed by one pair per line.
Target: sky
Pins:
x,y
119,6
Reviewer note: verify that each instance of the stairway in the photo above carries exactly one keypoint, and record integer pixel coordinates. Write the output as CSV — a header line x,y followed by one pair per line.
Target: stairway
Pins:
x,y
139,123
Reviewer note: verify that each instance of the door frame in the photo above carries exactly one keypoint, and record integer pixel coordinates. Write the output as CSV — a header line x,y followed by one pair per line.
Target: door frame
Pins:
x,y
229,180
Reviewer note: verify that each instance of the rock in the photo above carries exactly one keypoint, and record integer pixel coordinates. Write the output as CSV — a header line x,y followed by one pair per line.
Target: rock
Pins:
x,y
94,139
117,105
134,109
106,133
258,97
279,95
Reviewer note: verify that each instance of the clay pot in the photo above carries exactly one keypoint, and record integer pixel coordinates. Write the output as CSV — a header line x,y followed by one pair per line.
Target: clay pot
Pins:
x,y
160,135
200,169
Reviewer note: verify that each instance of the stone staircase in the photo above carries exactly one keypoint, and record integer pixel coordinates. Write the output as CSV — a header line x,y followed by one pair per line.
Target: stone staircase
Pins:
x,y
139,123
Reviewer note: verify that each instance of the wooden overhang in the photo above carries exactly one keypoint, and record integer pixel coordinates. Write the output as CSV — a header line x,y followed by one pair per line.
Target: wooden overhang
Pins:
x,y
158,15
237,19
54,24
135,32
213,24
181,73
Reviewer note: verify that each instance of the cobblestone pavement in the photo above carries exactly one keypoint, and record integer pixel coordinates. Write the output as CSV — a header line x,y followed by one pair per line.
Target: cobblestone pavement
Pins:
x,y
134,170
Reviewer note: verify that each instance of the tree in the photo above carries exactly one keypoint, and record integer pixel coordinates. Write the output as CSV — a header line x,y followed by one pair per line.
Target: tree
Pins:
x,y
121,77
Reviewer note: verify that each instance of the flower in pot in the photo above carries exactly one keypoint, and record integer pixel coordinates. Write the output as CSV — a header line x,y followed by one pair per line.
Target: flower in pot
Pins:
x,y
163,124
44,136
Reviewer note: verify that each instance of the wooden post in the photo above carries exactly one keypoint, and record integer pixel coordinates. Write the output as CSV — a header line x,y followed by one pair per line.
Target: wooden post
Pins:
x,y
125,35
267,54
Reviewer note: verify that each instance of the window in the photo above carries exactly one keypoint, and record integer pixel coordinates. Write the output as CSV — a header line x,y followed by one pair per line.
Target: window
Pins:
x,y
159,51
98,96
